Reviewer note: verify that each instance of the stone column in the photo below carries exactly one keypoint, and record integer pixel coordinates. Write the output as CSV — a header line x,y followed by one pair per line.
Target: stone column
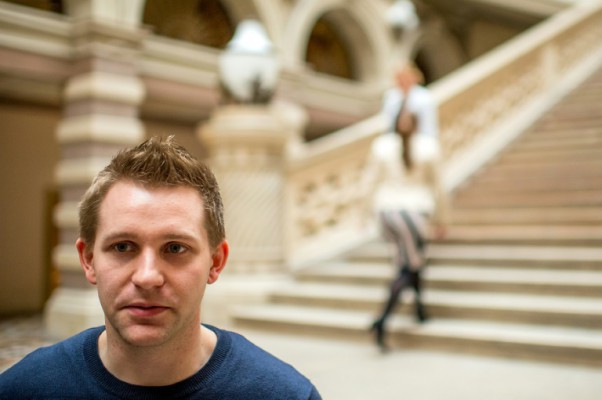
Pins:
x,y
101,101
247,147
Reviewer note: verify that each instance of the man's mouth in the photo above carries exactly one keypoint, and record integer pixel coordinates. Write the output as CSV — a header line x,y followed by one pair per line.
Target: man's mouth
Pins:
x,y
145,310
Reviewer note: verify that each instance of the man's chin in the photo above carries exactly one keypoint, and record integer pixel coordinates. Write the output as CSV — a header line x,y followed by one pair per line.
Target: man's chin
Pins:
x,y
144,335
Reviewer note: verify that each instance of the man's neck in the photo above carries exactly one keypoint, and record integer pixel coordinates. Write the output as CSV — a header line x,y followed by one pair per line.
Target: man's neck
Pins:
x,y
159,365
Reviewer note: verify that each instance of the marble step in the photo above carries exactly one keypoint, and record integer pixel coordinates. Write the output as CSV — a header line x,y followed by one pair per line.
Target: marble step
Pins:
x,y
545,343
517,198
526,215
466,278
590,131
526,281
525,234
547,256
547,153
567,170
517,256
478,187
535,309
565,124
558,142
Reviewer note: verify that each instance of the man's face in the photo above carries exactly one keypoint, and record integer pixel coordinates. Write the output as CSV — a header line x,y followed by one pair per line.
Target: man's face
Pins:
x,y
151,262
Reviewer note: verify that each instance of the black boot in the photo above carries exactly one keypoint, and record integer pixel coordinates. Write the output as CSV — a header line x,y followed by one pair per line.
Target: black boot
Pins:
x,y
379,335
420,313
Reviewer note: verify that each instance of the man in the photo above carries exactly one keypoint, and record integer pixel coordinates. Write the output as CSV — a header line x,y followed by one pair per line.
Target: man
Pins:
x,y
151,238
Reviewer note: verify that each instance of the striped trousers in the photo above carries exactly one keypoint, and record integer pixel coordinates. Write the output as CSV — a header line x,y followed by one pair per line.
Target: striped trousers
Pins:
x,y
406,230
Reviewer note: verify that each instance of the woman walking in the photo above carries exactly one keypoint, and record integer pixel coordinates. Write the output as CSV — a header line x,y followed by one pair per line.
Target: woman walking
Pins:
x,y
409,200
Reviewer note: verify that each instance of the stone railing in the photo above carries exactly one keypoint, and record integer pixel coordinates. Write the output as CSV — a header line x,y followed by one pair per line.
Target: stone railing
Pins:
x,y
328,190
482,107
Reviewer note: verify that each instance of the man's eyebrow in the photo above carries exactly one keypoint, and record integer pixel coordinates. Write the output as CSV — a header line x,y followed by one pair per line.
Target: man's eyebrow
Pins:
x,y
119,235
123,235
179,236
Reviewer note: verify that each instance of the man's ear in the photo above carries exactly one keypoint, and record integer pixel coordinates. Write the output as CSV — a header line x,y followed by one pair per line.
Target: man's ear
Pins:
x,y
219,258
85,259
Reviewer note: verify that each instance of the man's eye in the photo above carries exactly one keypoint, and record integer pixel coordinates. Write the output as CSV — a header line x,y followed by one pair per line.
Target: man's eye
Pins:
x,y
175,248
122,247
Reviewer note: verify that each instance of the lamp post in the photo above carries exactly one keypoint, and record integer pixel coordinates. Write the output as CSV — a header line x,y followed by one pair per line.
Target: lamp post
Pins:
x,y
246,142
401,16
249,66
405,25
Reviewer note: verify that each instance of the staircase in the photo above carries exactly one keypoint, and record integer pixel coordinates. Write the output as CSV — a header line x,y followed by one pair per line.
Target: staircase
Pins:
x,y
519,273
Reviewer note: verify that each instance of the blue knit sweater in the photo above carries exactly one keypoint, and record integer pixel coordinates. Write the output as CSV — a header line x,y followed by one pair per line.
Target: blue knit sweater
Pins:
x,y
72,369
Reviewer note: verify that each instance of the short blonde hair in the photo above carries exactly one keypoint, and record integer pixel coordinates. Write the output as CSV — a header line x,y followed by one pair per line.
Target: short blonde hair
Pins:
x,y
410,69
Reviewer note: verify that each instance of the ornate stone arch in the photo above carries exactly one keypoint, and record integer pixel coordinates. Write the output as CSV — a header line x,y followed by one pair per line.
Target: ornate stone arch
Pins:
x,y
273,15
205,22
360,23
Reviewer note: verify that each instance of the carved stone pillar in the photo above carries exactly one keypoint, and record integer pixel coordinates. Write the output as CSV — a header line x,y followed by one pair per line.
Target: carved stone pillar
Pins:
x,y
101,101
247,146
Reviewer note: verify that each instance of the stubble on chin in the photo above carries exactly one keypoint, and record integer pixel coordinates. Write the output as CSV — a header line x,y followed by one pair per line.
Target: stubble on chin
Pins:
x,y
131,334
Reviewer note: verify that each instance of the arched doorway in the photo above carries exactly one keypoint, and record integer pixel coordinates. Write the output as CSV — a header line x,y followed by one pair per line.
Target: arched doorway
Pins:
x,y
204,22
327,52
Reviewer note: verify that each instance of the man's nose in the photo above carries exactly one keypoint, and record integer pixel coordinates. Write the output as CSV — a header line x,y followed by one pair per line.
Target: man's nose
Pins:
x,y
148,274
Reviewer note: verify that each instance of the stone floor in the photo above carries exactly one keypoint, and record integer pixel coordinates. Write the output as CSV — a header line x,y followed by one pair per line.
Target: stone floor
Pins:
x,y
20,336
350,370
356,371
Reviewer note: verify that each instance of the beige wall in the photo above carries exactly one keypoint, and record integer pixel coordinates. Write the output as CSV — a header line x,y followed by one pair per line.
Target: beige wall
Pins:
x,y
485,36
28,154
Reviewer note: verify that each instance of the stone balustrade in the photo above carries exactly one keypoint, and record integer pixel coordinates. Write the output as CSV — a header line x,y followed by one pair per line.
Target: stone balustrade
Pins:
x,y
328,190
485,104
482,107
